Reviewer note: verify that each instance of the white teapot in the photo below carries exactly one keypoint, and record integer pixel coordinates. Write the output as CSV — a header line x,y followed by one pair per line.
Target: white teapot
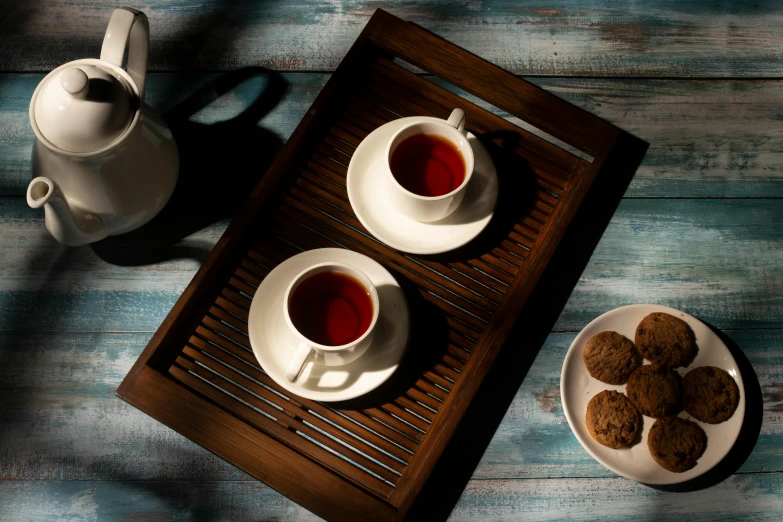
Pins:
x,y
103,161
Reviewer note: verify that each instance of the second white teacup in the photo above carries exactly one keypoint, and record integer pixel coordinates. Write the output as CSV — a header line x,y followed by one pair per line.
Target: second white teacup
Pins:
x,y
322,314
426,208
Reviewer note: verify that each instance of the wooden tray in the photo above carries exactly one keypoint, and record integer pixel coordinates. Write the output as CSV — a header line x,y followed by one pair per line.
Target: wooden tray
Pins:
x,y
369,460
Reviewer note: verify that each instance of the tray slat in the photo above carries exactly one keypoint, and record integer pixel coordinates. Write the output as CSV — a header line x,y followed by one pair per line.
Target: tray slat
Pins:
x,y
362,460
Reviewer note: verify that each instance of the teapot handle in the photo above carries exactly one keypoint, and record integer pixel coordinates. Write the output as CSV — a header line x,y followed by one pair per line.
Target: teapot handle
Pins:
x,y
125,24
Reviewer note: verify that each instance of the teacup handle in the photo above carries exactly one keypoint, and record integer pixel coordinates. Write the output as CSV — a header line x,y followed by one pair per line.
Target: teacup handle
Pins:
x,y
298,361
457,120
128,24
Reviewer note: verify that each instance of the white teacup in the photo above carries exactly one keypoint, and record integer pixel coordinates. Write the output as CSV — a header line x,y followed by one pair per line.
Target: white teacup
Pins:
x,y
431,208
330,355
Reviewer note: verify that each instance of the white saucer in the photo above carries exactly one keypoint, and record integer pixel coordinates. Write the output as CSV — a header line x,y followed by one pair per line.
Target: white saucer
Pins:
x,y
577,387
367,182
274,344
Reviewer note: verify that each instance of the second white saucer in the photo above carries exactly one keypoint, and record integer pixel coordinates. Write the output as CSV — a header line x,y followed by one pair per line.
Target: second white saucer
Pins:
x,y
273,343
367,183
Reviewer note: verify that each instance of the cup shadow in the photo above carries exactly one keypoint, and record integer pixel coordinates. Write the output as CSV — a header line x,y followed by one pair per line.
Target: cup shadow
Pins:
x,y
219,165
515,190
383,352
426,344
476,204
749,433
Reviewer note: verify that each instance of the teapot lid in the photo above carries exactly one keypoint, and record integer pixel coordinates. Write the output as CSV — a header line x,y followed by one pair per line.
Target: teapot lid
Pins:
x,y
83,107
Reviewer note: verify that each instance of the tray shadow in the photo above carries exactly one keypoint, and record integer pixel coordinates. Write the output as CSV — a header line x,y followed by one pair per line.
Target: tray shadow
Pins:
x,y
487,409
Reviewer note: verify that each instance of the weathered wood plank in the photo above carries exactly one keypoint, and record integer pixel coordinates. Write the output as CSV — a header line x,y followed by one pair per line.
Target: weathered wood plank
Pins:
x,y
50,286
719,260
71,450
146,500
707,138
741,497
716,259
61,420
558,37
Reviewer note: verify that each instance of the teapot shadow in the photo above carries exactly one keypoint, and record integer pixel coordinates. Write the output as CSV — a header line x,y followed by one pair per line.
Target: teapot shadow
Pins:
x,y
103,91
220,163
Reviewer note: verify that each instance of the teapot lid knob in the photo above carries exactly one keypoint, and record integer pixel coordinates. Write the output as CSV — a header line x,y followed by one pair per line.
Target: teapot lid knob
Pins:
x,y
82,107
75,82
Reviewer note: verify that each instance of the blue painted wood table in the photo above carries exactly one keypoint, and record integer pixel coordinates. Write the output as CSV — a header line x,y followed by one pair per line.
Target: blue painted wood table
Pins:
x,y
699,229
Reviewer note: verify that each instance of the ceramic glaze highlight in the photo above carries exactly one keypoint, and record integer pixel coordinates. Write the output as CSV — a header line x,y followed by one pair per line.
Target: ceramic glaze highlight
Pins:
x,y
119,171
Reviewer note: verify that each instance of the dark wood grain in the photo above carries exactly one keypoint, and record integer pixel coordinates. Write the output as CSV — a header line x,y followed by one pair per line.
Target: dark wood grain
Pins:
x,y
202,348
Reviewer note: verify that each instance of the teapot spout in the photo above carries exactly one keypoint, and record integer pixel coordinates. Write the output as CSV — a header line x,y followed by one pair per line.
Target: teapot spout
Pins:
x,y
69,226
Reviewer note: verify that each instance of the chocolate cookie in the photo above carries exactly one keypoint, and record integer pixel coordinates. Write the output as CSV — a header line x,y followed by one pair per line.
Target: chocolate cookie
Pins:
x,y
676,444
611,357
665,339
710,394
655,390
612,419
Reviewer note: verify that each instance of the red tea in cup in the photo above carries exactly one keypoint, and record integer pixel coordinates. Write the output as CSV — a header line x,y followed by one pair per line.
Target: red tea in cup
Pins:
x,y
331,308
427,165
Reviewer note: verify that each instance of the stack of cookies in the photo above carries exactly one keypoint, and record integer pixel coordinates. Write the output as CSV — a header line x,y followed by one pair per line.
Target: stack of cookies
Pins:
x,y
656,390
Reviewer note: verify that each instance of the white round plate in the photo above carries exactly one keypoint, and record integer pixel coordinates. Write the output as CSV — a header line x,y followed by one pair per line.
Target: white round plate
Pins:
x,y
367,182
577,387
273,343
